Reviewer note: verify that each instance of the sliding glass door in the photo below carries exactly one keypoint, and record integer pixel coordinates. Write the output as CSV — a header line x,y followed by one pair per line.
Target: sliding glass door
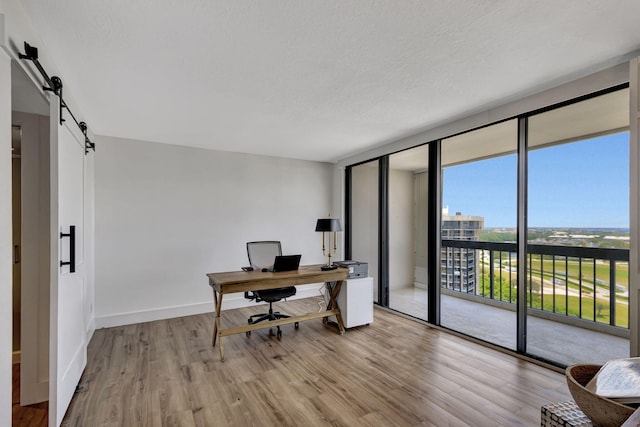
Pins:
x,y
408,215
478,265
516,233
578,231
365,223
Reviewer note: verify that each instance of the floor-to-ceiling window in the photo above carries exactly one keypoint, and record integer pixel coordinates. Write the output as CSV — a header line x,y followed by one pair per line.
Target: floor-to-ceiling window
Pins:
x,y
478,273
408,214
578,231
364,210
521,237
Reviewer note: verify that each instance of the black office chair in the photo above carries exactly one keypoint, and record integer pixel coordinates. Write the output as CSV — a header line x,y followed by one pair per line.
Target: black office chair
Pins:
x,y
261,256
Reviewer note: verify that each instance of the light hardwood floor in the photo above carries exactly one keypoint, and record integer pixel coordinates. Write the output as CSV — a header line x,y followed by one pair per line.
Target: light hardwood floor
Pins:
x,y
394,372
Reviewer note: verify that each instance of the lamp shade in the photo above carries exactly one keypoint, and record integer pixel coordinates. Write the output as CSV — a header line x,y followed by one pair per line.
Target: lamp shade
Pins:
x,y
328,224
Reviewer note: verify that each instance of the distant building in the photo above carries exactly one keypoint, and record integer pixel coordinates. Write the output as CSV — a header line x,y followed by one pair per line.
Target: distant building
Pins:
x,y
458,266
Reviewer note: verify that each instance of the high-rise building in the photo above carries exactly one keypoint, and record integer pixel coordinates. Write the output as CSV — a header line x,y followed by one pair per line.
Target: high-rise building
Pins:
x,y
458,265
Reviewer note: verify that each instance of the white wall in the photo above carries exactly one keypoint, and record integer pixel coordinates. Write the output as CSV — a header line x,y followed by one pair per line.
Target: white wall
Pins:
x,y
166,215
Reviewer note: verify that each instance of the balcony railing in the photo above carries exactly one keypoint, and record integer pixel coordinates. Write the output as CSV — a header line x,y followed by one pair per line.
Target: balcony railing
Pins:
x,y
590,284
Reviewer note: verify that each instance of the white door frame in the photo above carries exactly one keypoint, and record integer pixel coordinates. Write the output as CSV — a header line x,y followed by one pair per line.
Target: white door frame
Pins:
x,y
634,205
6,319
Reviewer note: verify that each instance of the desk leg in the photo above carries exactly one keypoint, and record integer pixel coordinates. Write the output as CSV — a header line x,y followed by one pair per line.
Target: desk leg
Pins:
x,y
217,304
220,341
217,300
334,291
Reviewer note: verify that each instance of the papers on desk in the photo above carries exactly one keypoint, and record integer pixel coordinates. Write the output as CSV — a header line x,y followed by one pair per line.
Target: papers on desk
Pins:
x,y
618,380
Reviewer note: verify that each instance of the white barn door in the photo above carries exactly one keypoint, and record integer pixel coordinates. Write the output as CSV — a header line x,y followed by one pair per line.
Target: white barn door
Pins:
x,y
68,337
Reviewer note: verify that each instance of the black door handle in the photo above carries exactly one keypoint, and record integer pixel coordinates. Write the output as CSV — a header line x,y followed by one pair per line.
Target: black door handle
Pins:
x,y
72,249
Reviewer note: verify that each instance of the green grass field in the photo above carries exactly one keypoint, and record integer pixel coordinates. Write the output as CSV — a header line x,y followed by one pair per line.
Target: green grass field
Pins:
x,y
572,269
571,305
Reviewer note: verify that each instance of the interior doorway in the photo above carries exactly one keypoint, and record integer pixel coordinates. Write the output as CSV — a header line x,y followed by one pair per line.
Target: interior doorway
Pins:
x,y
30,230
31,220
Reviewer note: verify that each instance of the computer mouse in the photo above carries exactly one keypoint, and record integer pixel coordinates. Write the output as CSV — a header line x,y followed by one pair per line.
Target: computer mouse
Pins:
x,y
264,270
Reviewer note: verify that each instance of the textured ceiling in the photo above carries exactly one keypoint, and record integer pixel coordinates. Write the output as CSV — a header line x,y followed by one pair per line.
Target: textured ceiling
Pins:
x,y
316,80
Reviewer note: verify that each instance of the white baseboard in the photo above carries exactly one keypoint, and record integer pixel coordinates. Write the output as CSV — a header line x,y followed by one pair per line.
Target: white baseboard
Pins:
x,y
228,303
131,318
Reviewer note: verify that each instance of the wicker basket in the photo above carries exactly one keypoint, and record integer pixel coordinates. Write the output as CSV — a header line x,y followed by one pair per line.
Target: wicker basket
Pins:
x,y
601,411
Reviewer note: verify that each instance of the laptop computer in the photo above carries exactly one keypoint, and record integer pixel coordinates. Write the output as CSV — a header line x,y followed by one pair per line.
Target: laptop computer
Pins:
x,y
286,263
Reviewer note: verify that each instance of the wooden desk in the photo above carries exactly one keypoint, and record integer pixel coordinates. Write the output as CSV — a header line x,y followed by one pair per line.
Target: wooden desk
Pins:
x,y
241,281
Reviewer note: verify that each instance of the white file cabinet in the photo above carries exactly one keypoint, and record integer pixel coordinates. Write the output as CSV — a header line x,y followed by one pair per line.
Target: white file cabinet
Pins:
x,y
356,302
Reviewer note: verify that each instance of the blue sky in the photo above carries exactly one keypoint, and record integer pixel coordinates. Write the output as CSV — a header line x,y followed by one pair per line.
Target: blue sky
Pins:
x,y
584,184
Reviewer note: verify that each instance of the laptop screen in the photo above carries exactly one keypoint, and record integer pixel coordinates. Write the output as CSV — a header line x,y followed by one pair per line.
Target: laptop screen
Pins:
x,y
286,263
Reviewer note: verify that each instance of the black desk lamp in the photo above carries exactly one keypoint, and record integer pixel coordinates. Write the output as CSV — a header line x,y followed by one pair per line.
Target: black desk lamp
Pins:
x,y
329,225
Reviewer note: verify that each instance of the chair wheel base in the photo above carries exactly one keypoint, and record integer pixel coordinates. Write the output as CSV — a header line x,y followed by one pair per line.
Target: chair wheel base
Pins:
x,y
272,315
